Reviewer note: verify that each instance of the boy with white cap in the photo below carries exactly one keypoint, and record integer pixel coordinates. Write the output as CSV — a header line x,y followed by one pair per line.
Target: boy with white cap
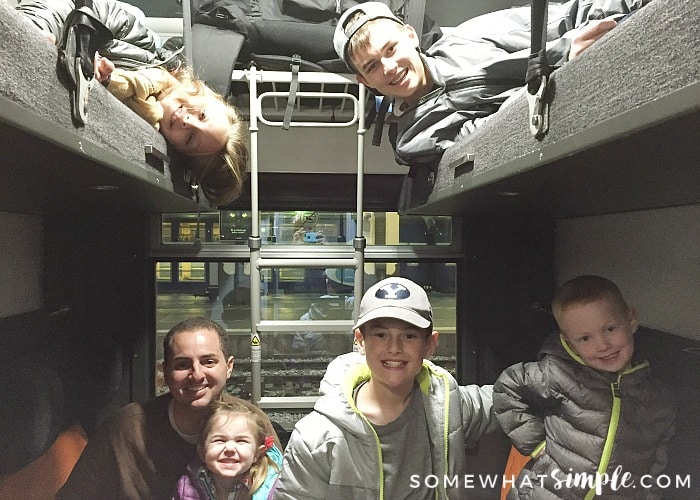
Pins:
x,y
387,420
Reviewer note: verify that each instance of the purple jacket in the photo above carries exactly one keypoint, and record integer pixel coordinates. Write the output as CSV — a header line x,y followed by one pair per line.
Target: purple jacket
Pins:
x,y
197,483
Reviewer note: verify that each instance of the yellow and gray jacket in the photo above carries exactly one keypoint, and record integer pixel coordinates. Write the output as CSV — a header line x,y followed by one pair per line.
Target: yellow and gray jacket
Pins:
x,y
583,425
334,452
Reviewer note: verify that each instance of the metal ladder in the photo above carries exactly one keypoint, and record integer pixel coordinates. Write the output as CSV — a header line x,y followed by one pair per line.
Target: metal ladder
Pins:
x,y
311,256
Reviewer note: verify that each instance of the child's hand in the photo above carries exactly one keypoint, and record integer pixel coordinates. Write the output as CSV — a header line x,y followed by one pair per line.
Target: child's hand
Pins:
x,y
103,68
589,34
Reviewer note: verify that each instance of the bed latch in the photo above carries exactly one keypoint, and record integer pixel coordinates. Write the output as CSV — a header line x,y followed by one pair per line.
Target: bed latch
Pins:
x,y
155,158
539,109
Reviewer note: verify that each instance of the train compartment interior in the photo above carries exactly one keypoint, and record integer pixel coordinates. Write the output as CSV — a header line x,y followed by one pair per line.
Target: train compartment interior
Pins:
x,y
105,244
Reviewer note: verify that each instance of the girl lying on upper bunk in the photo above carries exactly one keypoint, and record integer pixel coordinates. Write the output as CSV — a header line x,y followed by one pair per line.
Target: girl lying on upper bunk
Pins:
x,y
102,40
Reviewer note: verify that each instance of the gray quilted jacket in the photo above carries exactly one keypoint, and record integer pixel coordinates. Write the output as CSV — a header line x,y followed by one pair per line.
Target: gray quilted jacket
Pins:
x,y
588,421
481,63
334,452
134,45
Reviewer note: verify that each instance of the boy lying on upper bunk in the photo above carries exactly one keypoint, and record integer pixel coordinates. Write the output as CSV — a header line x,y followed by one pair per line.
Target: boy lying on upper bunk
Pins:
x,y
444,93
102,40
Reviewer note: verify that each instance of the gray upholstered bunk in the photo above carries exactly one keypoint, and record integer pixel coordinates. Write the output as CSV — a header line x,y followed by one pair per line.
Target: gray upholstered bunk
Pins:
x,y
49,164
623,131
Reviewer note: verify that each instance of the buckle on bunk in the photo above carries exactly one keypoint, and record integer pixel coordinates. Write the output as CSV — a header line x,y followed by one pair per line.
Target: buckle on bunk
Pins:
x,y
539,110
80,84
156,158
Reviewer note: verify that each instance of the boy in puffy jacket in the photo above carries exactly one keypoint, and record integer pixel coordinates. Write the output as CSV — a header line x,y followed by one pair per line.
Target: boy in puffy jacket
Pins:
x,y
588,412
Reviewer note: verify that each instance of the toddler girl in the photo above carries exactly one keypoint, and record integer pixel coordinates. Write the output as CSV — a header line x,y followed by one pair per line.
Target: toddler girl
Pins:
x,y
238,460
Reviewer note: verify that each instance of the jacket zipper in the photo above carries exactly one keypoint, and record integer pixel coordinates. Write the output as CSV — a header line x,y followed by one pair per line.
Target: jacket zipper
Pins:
x,y
610,438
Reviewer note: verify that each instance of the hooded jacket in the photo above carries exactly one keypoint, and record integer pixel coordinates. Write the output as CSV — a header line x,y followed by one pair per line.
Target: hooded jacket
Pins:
x,y
588,421
133,44
335,453
196,484
478,65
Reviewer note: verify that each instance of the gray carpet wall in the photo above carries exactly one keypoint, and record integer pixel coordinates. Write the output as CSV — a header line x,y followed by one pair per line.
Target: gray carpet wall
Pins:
x,y
653,53
30,78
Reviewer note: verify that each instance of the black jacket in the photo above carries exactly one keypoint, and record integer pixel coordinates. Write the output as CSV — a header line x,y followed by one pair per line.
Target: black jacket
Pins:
x,y
133,44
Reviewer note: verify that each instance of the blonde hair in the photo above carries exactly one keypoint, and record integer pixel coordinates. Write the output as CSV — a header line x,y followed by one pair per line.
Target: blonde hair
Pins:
x,y
220,175
584,290
360,40
258,471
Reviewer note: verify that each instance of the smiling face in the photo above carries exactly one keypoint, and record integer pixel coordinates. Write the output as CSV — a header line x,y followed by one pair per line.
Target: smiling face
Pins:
x,y
389,61
394,350
194,125
196,369
600,332
231,447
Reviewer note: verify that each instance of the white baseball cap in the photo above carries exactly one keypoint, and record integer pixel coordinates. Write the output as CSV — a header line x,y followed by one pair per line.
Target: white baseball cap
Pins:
x,y
397,298
371,11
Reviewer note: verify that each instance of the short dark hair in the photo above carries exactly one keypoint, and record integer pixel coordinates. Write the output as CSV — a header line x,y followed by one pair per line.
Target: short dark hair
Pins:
x,y
584,290
195,323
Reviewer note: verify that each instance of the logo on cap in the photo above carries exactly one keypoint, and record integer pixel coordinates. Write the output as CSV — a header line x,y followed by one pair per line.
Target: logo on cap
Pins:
x,y
393,291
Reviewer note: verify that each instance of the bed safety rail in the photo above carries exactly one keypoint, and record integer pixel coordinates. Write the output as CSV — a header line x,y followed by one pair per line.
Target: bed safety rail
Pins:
x,y
321,100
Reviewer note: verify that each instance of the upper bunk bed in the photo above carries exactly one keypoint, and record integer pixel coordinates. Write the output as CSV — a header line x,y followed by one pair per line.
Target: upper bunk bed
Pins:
x,y
622,120
116,162
623,131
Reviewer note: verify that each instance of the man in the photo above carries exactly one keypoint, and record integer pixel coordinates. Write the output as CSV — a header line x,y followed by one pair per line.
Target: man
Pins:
x,y
142,450
446,92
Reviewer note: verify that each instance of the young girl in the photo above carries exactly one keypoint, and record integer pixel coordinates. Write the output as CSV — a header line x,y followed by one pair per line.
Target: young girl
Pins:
x,y
194,120
238,461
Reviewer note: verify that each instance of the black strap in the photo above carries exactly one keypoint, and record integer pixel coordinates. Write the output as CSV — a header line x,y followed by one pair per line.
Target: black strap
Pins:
x,y
538,70
379,125
537,62
293,87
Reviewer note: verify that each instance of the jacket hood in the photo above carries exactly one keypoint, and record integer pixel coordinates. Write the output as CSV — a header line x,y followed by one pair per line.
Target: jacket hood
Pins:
x,y
342,376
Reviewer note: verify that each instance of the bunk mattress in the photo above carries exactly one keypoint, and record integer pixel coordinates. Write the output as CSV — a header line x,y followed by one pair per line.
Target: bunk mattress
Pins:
x,y
36,126
628,106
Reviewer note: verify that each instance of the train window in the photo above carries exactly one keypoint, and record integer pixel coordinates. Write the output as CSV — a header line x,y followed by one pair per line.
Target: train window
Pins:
x,y
307,227
293,359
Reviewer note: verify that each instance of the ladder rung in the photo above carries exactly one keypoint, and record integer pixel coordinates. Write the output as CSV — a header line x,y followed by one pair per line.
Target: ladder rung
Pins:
x,y
327,325
285,402
299,262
